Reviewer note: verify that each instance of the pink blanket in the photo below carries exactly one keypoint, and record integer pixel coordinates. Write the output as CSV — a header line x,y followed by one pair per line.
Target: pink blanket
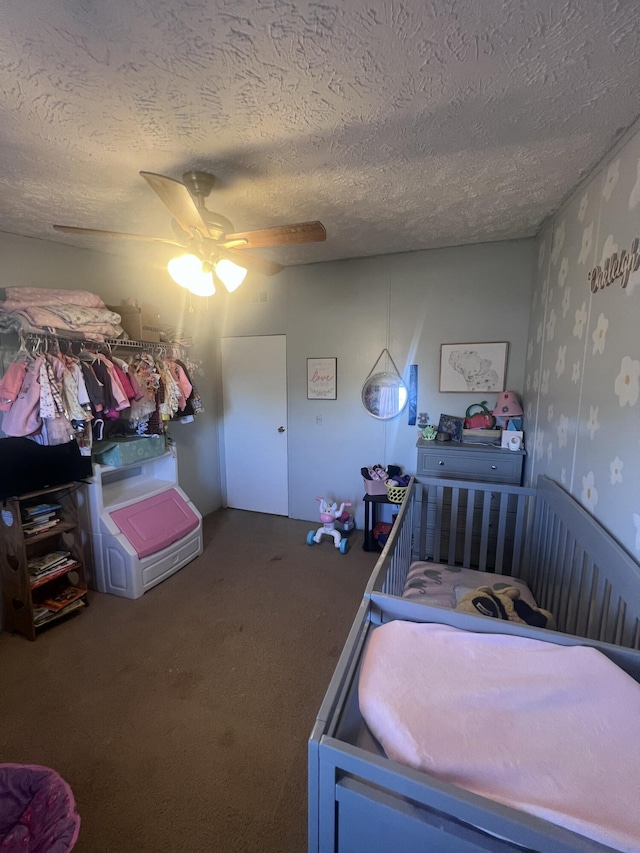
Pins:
x,y
26,297
551,730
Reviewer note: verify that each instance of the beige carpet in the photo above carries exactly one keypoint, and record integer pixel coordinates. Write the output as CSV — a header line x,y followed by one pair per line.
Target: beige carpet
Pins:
x,y
181,719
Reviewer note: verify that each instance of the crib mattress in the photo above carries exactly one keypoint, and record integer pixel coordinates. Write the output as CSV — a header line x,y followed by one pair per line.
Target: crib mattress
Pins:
x,y
552,730
440,585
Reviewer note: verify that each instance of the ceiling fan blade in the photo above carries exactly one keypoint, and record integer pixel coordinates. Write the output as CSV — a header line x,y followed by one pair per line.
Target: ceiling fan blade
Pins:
x,y
121,235
253,263
179,201
281,235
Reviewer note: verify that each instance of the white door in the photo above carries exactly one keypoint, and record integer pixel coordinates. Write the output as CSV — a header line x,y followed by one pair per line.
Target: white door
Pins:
x,y
254,399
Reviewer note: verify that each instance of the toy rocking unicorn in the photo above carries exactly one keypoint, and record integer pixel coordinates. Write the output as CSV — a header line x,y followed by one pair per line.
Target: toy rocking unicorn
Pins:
x,y
329,513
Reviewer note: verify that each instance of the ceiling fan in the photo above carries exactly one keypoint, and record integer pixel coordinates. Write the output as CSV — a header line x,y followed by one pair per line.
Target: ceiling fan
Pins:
x,y
208,237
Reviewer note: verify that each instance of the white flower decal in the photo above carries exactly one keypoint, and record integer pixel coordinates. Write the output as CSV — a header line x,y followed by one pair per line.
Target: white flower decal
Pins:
x,y
541,251
610,247
551,324
529,410
558,242
535,299
563,428
627,384
592,424
636,521
581,319
600,334
528,382
539,333
582,210
589,495
536,380
613,173
587,240
564,272
566,302
539,446
563,476
560,365
550,412
634,198
575,373
530,351
616,470
544,384
545,288
549,453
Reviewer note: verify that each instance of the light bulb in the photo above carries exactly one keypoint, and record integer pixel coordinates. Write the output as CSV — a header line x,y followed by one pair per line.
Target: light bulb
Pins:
x,y
230,274
203,286
186,270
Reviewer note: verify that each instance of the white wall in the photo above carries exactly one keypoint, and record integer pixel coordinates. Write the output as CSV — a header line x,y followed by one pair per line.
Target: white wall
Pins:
x,y
409,303
582,387
41,263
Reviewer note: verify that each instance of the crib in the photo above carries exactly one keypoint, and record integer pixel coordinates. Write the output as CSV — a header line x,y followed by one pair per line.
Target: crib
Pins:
x,y
359,799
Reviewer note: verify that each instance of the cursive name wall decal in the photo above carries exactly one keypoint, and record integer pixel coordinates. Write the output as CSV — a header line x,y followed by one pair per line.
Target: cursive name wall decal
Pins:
x,y
616,267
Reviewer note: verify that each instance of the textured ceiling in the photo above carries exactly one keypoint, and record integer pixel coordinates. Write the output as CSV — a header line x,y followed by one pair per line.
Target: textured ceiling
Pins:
x,y
400,126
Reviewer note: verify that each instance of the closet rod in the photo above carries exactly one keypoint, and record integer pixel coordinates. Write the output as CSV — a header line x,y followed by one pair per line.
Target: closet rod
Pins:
x,y
113,343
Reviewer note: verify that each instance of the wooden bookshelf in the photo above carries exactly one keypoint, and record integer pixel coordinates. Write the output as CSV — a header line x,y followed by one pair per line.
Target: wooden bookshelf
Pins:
x,y
28,535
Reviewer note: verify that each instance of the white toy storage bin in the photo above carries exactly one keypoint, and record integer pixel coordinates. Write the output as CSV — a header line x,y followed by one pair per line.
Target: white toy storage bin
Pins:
x,y
142,527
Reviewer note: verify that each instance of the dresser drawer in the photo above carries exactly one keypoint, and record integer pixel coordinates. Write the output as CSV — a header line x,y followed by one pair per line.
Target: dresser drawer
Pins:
x,y
501,466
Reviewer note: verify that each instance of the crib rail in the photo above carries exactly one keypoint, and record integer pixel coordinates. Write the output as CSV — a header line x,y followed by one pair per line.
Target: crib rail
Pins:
x,y
475,525
573,566
390,572
579,572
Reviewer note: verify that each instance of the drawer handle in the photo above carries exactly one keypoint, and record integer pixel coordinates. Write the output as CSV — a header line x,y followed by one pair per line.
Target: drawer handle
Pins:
x,y
441,462
494,467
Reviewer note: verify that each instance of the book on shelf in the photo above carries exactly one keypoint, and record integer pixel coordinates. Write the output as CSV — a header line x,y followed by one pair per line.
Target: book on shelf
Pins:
x,y
56,572
40,528
42,614
36,510
47,561
40,519
44,569
63,598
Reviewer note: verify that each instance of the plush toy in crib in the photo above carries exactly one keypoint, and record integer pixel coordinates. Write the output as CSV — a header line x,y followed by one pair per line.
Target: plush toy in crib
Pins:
x,y
329,513
504,604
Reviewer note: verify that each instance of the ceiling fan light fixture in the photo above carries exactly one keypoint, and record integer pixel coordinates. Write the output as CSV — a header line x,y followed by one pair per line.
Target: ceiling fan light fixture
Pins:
x,y
230,274
186,270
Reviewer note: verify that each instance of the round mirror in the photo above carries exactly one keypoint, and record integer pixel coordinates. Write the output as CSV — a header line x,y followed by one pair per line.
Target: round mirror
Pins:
x,y
384,395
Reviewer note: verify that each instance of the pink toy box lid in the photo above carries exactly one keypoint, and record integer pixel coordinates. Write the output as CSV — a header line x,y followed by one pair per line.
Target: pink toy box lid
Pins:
x,y
153,524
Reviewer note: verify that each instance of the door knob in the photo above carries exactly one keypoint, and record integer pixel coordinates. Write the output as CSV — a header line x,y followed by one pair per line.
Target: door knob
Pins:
x,y
280,429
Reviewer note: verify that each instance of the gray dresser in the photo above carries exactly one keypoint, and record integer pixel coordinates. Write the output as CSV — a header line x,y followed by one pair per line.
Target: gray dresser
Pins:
x,y
458,461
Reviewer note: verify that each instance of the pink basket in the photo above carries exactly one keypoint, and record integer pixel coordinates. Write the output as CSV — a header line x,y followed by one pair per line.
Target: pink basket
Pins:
x,y
374,487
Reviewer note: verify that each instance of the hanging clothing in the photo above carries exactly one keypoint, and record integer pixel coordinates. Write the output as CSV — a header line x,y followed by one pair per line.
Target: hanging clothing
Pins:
x,y
23,418
11,383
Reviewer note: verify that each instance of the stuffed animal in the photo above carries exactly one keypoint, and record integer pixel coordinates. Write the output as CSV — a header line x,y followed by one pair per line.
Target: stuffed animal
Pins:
x,y
504,604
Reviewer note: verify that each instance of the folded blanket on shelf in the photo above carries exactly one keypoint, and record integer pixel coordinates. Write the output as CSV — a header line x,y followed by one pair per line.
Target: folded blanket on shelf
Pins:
x,y
14,298
73,318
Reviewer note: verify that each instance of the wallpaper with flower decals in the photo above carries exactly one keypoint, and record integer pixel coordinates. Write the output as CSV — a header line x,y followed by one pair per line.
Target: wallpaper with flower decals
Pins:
x,y
582,374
